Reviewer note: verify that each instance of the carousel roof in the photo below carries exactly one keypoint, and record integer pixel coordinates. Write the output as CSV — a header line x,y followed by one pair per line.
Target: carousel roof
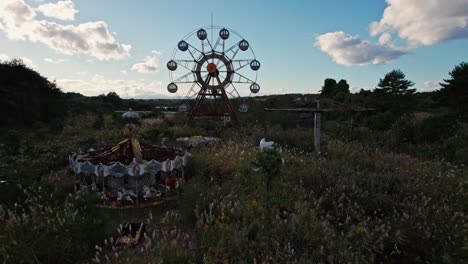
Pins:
x,y
122,160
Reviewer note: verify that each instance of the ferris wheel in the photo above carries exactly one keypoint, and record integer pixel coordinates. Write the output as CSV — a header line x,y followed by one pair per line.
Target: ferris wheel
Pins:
x,y
217,65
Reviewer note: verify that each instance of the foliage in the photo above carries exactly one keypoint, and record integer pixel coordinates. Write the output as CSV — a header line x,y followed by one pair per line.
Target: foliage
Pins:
x,y
393,93
356,205
28,97
338,91
454,92
270,163
328,86
394,83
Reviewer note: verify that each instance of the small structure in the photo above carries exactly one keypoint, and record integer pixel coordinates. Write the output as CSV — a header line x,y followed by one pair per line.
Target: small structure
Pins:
x,y
130,173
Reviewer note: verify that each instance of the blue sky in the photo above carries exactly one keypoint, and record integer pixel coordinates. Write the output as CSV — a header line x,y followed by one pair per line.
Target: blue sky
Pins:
x,y
299,43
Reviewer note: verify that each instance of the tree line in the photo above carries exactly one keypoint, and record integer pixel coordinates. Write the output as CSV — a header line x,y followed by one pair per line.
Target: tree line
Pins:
x,y
395,93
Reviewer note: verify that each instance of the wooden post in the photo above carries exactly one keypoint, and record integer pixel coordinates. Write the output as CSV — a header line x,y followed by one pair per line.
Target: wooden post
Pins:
x,y
317,127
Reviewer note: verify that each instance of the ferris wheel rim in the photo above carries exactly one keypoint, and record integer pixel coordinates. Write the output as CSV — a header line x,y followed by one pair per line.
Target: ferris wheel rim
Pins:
x,y
191,33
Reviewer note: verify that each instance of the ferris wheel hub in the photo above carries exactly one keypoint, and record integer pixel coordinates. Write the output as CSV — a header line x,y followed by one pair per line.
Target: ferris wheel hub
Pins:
x,y
211,68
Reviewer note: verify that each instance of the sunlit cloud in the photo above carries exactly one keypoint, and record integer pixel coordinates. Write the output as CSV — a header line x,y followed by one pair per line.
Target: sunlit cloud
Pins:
x,y
18,21
150,64
64,10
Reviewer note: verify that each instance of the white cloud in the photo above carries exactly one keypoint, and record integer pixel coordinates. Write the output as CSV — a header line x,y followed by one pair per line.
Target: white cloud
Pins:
x,y
429,86
423,22
416,22
18,21
64,10
385,39
350,50
27,62
149,65
4,57
123,72
98,84
53,61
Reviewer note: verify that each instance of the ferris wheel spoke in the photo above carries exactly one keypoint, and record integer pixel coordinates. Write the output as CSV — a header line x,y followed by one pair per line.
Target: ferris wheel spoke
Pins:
x,y
223,75
242,79
191,90
195,49
234,49
209,43
241,63
185,64
185,78
191,54
217,43
234,90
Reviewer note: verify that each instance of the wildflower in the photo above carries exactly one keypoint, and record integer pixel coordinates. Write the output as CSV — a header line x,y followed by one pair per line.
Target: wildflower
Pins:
x,y
253,203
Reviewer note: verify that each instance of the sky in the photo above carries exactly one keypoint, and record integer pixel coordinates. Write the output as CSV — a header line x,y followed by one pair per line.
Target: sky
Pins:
x,y
97,46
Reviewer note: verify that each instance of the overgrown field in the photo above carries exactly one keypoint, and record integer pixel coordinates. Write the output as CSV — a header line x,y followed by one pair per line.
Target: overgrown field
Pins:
x,y
357,203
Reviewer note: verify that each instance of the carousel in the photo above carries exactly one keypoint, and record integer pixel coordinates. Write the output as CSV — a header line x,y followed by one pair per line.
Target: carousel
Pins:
x,y
130,174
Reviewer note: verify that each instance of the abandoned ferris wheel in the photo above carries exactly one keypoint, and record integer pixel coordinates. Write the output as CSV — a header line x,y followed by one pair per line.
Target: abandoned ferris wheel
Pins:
x,y
214,73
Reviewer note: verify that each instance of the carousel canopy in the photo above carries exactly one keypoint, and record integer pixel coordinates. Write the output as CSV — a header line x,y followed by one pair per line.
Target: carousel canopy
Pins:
x,y
121,160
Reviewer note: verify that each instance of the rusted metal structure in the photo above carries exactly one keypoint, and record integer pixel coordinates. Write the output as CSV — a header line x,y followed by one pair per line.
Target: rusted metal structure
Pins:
x,y
215,73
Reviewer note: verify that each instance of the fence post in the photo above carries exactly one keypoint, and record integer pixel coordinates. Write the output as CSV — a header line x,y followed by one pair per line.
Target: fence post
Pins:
x,y
317,127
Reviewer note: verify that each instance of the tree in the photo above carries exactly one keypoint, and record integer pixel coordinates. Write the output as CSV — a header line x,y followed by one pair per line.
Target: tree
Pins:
x,y
328,87
393,93
341,90
332,89
394,83
28,97
114,99
454,92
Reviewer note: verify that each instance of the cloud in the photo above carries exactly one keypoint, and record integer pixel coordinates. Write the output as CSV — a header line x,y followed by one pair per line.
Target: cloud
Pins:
x,y
18,21
64,10
4,57
416,22
429,86
53,61
26,61
98,84
149,65
422,22
350,50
